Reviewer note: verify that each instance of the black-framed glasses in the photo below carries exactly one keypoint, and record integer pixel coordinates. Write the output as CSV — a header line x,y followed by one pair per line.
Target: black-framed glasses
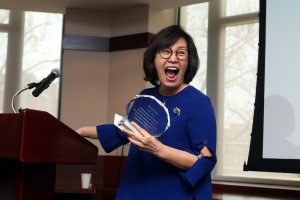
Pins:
x,y
181,54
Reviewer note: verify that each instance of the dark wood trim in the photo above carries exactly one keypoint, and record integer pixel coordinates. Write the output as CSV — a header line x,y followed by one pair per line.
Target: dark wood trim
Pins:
x,y
103,44
127,42
85,43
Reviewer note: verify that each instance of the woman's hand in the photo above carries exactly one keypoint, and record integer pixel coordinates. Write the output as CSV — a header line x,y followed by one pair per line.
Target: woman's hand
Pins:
x,y
176,157
88,131
144,141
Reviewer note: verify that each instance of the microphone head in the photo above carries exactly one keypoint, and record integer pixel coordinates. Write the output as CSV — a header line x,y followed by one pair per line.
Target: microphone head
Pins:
x,y
44,83
56,72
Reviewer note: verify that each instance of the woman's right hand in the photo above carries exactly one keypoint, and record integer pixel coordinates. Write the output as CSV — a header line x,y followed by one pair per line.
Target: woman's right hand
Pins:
x,y
88,131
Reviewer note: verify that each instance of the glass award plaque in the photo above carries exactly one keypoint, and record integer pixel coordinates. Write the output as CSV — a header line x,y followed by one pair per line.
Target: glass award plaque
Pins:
x,y
149,113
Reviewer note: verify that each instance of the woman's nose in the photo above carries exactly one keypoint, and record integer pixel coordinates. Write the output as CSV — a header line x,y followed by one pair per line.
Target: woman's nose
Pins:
x,y
173,57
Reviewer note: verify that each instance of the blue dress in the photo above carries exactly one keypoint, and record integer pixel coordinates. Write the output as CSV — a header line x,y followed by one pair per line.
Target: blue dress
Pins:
x,y
147,177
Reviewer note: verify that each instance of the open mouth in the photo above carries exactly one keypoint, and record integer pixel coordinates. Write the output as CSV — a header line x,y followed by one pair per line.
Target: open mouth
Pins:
x,y
171,72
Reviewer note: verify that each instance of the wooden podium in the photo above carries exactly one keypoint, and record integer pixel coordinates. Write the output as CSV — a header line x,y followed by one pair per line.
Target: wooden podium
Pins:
x,y
31,144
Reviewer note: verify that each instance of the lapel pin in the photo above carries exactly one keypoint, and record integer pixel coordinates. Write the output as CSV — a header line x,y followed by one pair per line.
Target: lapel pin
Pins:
x,y
176,111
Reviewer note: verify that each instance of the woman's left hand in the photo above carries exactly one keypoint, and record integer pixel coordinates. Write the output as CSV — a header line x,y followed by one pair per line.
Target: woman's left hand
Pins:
x,y
146,142
143,140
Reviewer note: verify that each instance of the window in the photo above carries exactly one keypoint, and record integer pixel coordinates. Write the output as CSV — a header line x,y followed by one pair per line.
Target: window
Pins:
x,y
227,40
4,16
3,48
198,30
238,7
4,19
41,54
240,67
29,56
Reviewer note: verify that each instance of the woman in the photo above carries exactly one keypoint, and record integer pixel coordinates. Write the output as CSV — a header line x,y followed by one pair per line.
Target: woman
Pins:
x,y
178,164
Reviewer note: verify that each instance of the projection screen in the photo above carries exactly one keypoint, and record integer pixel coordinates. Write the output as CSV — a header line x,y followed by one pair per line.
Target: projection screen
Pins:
x,y
275,138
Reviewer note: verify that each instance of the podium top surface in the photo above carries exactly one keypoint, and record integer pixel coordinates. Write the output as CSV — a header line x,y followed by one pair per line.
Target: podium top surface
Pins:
x,y
37,136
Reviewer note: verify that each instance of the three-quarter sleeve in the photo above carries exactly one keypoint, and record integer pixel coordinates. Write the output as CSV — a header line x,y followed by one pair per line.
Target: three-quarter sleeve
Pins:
x,y
110,137
202,133
199,171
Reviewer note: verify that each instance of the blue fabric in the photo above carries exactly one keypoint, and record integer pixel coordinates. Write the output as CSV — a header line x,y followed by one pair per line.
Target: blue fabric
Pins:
x,y
146,177
111,137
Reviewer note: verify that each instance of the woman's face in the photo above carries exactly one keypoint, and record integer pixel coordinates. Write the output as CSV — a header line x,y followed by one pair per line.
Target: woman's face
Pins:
x,y
171,70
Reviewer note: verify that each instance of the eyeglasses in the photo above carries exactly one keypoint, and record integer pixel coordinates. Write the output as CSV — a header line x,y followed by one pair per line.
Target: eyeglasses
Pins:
x,y
181,54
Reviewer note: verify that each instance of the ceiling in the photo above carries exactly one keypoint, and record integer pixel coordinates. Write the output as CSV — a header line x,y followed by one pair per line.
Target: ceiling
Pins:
x,y
104,5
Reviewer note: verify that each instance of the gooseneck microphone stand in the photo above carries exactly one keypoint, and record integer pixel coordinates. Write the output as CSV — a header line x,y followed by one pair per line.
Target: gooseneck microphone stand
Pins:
x,y
29,86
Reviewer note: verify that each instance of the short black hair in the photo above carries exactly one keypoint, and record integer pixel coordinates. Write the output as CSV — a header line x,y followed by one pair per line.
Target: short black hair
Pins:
x,y
164,39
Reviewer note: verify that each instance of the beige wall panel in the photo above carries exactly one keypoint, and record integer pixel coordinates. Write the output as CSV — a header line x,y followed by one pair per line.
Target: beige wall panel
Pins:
x,y
159,18
84,89
125,79
129,21
87,22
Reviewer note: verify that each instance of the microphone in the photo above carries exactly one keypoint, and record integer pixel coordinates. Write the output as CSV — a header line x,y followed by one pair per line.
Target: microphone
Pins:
x,y
44,84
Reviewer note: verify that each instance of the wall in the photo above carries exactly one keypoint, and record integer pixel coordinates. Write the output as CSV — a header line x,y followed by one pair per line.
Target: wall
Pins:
x,y
85,74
